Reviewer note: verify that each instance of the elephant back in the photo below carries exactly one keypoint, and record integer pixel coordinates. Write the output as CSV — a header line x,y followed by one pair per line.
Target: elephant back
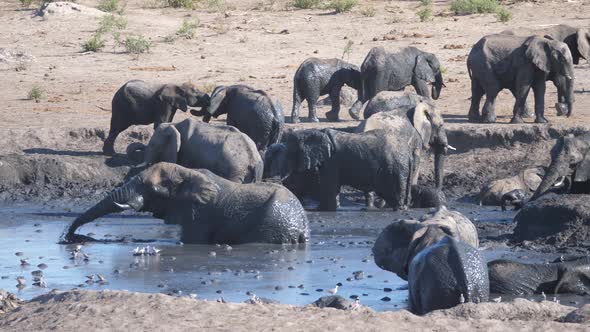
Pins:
x,y
457,225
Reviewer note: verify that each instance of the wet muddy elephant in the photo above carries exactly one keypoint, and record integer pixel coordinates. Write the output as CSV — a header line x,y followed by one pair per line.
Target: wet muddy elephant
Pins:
x,y
502,61
570,159
392,100
138,102
385,71
209,208
524,183
251,111
317,77
568,275
370,161
191,143
392,250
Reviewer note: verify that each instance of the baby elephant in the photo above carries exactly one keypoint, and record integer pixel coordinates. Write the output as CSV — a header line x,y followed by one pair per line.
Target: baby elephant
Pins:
x,y
141,103
209,208
317,77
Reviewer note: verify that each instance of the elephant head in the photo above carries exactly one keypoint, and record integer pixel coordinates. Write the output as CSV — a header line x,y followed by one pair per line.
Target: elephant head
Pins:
x,y
570,156
555,60
275,160
583,41
151,190
215,107
390,250
427,68
352,76
429,123
163,146
181,97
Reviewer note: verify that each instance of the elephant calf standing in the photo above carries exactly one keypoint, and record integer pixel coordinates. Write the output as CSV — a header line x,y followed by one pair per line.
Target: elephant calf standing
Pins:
x,y
251,111
138,102
209,208
501,61
224,150
317,77
385,71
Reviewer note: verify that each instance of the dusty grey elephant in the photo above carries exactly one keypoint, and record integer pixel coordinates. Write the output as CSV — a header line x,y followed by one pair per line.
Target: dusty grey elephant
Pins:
x,y
570,158
567,275
317,77
251,111
385,71
209,208
502,61
392,248
446,273
527,181
191,143
138,102
386,101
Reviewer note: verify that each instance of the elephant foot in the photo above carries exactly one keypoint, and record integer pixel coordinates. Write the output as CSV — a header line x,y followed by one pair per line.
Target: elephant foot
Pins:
x,y
540,119
473,118
354,113
488,118
295,119
108,150
332,116
517,119
561,109
313,119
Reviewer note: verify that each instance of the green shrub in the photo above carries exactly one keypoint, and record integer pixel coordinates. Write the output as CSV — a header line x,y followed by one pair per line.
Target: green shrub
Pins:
x,y
187,30
426,2
465,7
368,11
94,44
347,48
341,6
111,22
305,4
137,44
26,3
36,93
503,15
109,6
216,6
425,13
188,4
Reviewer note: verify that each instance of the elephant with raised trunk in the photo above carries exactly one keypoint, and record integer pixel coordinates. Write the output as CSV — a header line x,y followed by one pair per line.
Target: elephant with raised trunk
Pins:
x,y
567,275
570,162
502,61
251,111
209,208
141,103
385,71
317,77
191,143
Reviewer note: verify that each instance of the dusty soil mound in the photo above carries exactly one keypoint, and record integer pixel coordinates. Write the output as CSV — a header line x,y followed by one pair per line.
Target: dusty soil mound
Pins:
x,y
559,220
124,311
8,301
62,8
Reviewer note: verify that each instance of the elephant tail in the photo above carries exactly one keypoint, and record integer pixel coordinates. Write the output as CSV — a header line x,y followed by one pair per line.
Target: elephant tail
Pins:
x,y
278,123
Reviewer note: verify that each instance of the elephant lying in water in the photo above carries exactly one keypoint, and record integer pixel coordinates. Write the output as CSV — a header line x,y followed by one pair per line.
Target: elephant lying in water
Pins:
x,y
561,276
210,209
522,184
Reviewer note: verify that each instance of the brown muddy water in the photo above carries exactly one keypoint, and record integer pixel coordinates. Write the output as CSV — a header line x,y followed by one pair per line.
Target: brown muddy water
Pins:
x,y
339,248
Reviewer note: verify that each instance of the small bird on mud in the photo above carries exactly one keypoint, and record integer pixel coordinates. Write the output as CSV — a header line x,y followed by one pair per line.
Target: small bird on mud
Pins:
x,y
497,299
544,296
333,291
101,278
24,262
461,298
22,282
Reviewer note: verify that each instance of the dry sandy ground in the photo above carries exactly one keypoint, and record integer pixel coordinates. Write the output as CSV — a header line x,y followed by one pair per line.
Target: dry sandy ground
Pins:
x,y
124,311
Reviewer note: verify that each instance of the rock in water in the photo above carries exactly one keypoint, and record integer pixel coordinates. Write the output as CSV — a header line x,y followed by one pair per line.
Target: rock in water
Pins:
x,y
333,301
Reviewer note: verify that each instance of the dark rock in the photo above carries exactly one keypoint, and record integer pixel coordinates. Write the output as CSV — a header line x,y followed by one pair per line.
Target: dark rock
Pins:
x,y
580,315
333,301
387,289
386,299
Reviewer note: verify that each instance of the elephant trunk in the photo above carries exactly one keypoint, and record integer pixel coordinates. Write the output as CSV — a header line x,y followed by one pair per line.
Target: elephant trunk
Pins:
x,y
558,168
439,165
437,86
117,200
569,96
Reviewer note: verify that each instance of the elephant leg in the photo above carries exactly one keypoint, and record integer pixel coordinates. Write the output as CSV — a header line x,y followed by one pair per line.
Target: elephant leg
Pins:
x,y
332,115
476,93
524,112
329,187
561,105
421,87
488,112
539,92
520,96
355,109
108,147
311,104
369,201
296,106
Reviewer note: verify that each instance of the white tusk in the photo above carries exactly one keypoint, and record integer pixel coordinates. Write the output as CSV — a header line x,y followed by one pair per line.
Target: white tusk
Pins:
x,y
451,148
144,164
559,182
123,206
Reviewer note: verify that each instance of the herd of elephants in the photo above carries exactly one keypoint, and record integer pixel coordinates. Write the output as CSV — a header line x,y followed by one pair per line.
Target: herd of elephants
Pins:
x,y
242,182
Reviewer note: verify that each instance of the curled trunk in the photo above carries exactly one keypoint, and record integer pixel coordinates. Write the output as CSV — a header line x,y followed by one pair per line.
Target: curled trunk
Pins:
x,y
557,169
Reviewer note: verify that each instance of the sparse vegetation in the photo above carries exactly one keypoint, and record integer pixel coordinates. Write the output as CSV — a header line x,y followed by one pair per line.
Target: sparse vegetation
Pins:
x,y
425,13
187,30
305,4
36,93
466,7
426,2
26,3
109,6
111,22
94,44
341,6
217,6
188,4
503,15
368,11
136,44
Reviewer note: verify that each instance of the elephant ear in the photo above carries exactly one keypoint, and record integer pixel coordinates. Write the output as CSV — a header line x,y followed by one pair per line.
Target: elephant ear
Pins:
x,y
217,98
584,43
537,51
315,147
422,122
197,186
427,67
174,96
165,143
583,169
532,177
